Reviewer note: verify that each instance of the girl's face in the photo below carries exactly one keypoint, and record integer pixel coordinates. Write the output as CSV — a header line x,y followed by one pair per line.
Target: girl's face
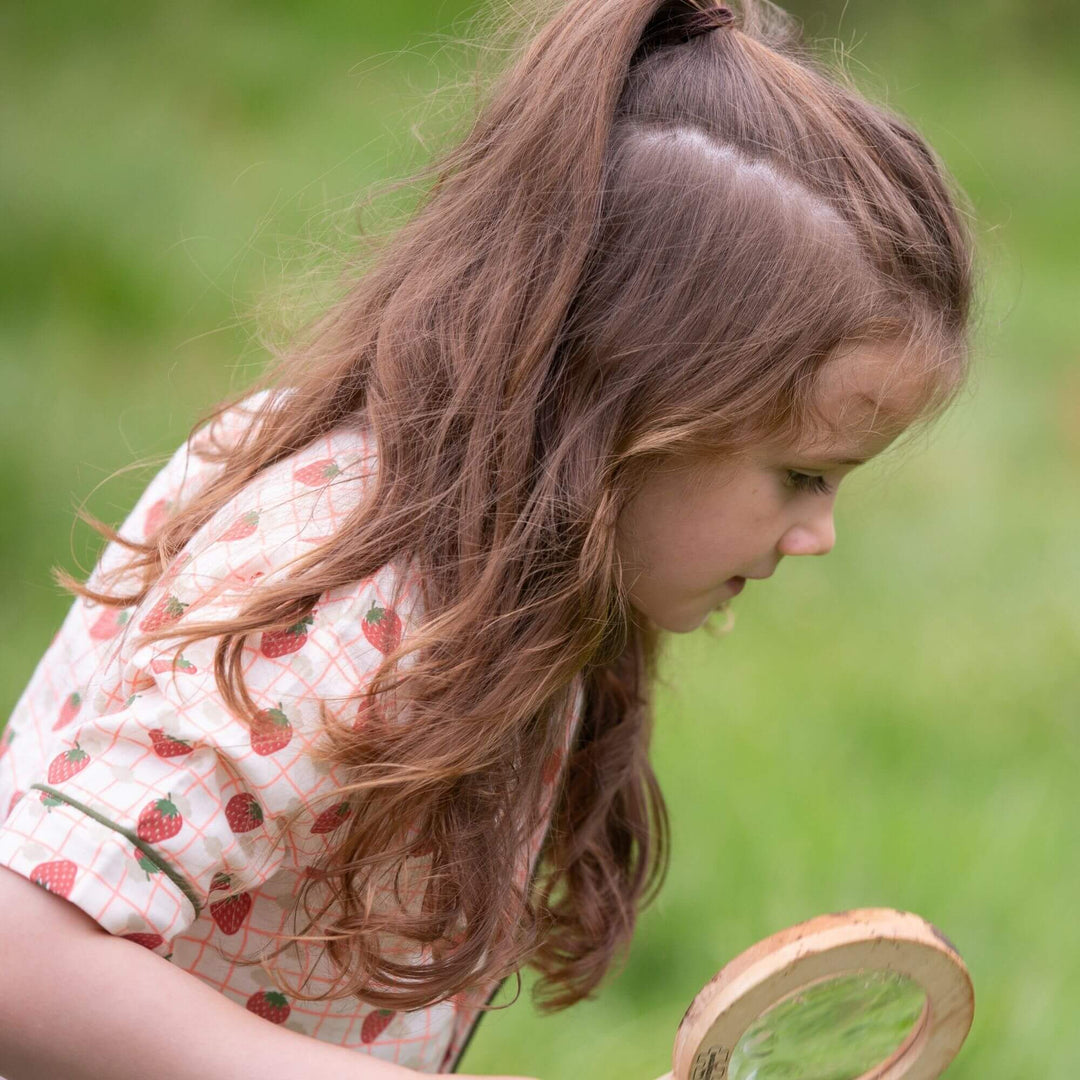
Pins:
x,y
690,530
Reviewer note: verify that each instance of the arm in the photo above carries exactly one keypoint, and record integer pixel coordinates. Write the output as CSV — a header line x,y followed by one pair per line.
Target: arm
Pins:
x,y
77,1002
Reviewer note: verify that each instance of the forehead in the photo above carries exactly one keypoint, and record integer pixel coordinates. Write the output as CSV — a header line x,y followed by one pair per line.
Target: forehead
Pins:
x,y
865,396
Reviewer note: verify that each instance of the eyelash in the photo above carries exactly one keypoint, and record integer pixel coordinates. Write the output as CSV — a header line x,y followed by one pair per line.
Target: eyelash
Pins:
x,y
804,482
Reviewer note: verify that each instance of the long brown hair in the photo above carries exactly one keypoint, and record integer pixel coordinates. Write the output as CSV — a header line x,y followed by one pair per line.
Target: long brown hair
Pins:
x,y
654,236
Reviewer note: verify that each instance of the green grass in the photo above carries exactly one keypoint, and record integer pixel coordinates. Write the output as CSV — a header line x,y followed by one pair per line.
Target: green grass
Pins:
x,y
894,725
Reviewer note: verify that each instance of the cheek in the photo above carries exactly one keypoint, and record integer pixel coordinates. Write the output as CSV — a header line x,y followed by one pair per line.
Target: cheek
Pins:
x,y
696,536
741,528
655,524
733,518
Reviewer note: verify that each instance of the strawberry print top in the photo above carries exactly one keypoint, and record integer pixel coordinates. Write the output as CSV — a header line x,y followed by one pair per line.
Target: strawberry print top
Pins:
x,y
128,787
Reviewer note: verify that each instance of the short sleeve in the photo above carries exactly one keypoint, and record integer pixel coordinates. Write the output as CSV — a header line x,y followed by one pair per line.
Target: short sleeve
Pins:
x,y
158,793
143,807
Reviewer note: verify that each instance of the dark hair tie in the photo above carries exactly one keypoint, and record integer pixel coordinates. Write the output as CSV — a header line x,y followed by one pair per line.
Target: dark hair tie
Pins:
x,y
704,22
678,21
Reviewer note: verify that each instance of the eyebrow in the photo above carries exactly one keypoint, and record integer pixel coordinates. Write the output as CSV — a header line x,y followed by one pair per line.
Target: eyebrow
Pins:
x,y
842,460
830,459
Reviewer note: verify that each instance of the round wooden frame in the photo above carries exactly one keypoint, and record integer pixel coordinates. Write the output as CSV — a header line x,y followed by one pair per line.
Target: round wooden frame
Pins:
x,y
866,939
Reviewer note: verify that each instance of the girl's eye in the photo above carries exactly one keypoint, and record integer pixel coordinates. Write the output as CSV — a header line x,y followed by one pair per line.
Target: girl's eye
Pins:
x,y
805,482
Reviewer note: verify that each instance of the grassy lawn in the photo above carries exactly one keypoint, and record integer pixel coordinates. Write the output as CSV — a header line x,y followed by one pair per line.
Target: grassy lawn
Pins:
x,y
895,725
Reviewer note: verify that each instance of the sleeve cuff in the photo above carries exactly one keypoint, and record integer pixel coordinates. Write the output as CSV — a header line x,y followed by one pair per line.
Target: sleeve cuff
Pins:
x,y
118,880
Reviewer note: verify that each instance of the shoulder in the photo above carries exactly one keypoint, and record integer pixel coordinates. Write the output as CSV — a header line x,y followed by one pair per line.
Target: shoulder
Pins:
x,y
266,532
284,505
288,509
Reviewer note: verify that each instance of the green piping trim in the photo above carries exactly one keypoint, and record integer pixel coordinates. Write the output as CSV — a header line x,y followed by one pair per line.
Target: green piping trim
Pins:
x,y
177,879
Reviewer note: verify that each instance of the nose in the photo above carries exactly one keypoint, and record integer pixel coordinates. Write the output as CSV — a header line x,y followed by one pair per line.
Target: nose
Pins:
x,y
815,537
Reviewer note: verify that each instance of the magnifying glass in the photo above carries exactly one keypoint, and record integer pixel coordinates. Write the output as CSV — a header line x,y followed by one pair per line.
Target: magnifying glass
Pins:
x,y
869,994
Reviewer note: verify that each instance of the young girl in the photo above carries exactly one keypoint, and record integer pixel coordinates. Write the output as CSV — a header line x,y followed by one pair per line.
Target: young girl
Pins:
x,y
351,721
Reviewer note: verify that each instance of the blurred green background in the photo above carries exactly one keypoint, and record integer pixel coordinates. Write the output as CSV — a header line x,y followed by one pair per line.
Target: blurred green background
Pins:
x,y
895,725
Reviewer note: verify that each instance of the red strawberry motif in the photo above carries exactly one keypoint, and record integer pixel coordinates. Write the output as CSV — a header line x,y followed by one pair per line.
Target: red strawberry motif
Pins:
x,y
67,764
147,941
271,1005
552,767
57,876
366,713
242,527
109,623
318,472
49,801
146,864
375,1023
243,813
178,663
330,819
159,820
14,799
157,515
382,628
271,731
230,912
167,610
166,746
280,642
68,710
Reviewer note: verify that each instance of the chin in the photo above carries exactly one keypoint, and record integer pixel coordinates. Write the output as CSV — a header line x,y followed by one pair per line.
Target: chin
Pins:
x,y
681,622
684,619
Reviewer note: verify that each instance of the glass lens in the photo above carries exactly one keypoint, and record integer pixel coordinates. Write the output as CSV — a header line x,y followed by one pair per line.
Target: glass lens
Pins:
x,y
838,1029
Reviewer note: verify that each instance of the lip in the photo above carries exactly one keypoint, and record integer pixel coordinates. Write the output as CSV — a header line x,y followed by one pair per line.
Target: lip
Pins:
x,y
736,584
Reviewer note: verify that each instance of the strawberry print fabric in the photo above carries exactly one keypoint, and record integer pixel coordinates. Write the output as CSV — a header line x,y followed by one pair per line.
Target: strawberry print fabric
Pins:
x,y
129,788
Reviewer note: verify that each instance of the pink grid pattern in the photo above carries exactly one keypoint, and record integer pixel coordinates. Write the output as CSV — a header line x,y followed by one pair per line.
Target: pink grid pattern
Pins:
x,y
137,704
